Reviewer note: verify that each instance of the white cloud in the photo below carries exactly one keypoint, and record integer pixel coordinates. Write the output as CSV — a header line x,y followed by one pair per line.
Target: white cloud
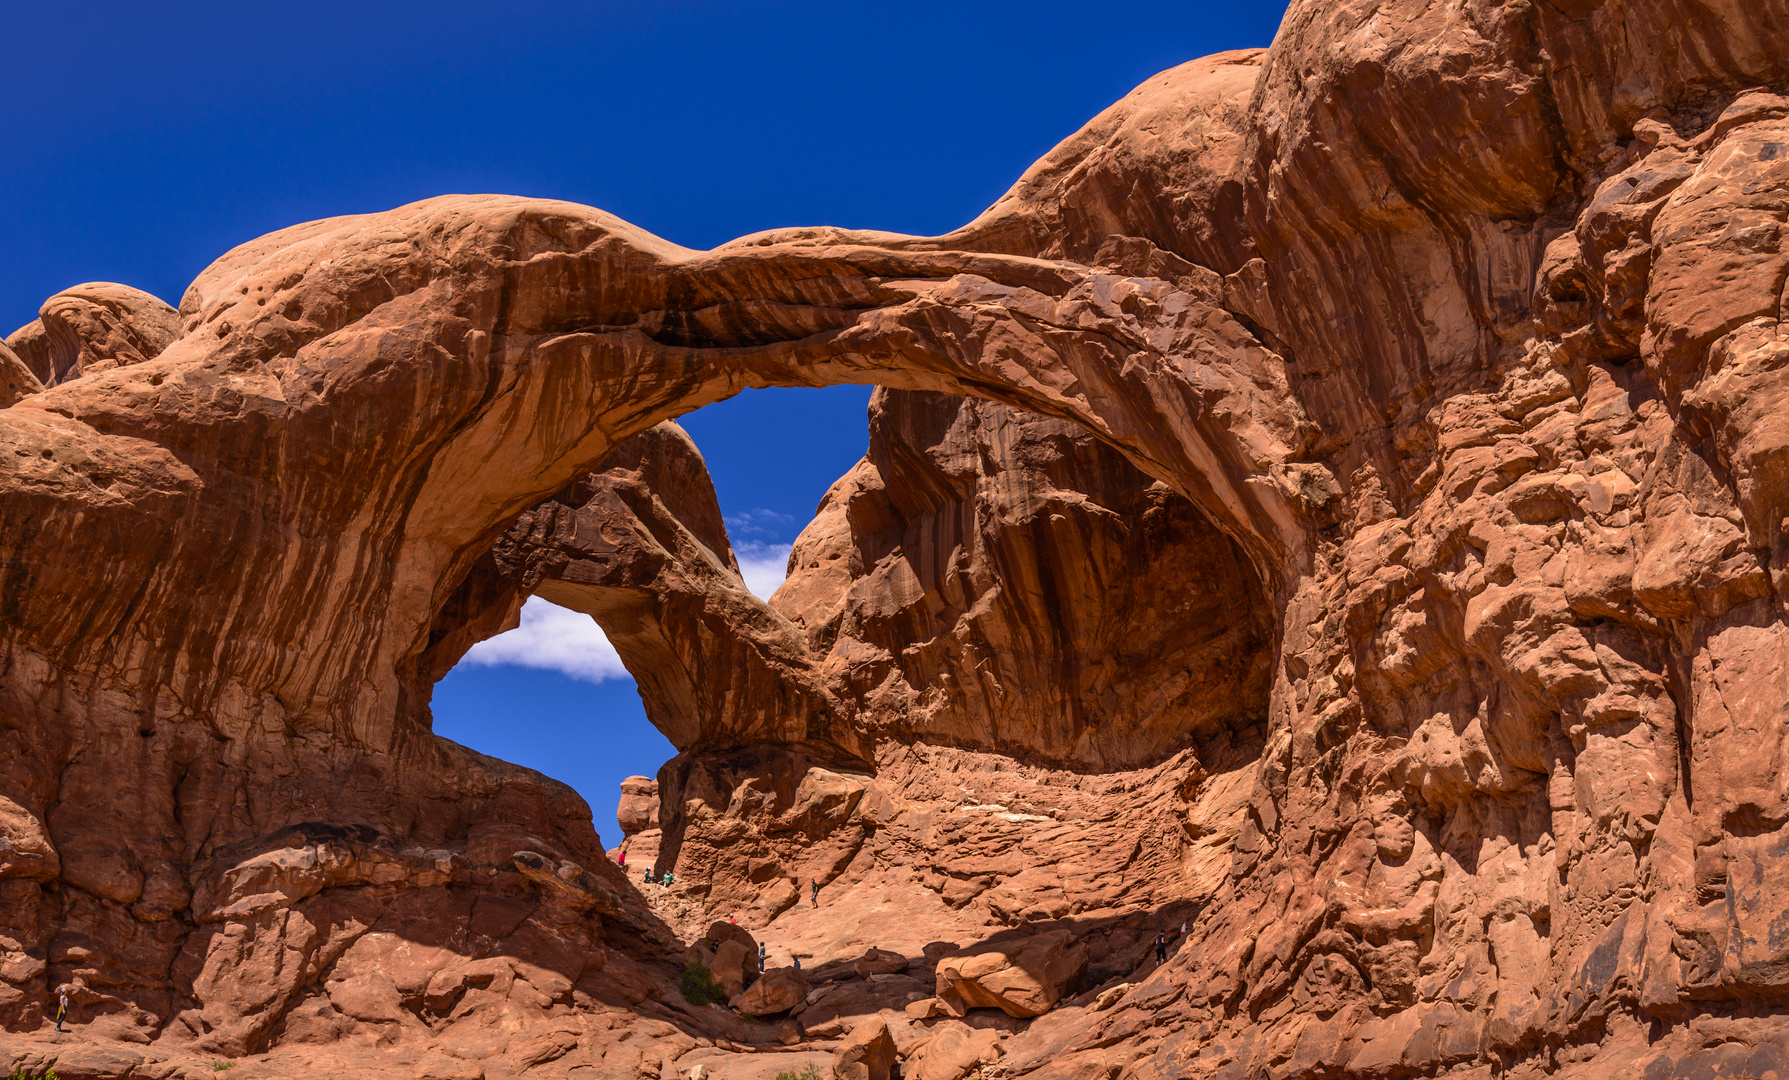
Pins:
x,y
554,639
764,566
760,522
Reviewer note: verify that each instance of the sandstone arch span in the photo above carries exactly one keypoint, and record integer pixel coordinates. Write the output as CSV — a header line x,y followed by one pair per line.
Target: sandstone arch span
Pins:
x,y
466,357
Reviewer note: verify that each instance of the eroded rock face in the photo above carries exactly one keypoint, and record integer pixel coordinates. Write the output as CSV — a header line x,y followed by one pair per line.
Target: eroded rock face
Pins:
x,y
638,810
92,328
640,546
16,378
990,578
1455,324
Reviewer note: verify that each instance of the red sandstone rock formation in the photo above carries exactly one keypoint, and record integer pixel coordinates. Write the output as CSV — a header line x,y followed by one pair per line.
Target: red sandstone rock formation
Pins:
x,y
994,579
638,811
868,1053
17,380
1456,324
91,328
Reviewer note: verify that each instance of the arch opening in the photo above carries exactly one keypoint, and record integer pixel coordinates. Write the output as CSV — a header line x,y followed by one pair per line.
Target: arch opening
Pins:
x,y
983,582
982,577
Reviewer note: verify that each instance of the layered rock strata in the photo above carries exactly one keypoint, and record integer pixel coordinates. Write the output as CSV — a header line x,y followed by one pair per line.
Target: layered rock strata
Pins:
x,y
1459,323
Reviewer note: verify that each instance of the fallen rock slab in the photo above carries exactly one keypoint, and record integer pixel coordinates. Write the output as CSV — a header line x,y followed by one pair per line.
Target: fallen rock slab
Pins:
x,y
868,1053
952,1051
778,991
879,962
1023,978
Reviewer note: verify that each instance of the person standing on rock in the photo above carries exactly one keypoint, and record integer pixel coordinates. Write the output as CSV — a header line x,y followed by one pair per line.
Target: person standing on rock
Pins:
x,y
621,859
61,1006
760,958
814,892
1161,947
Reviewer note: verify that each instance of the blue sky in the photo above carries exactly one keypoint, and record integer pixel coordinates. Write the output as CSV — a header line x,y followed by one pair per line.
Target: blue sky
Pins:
x,y
146,140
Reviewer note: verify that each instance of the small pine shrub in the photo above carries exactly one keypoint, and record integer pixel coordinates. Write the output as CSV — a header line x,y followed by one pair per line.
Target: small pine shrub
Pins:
x,y
812,1072
699,987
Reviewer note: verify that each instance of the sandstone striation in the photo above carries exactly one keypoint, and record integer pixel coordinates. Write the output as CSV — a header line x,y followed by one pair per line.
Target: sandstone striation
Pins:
x,y
91,328
1364,548
990,578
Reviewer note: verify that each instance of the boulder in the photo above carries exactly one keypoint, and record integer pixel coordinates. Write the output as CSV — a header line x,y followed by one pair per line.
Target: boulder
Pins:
x,y
868,1053
879,962
925,1008
776,992
952,1051
1022,978
733,965
722,930
727,947
638,810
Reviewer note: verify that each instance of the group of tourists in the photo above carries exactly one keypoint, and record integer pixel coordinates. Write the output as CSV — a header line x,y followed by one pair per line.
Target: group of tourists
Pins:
x,y
666,879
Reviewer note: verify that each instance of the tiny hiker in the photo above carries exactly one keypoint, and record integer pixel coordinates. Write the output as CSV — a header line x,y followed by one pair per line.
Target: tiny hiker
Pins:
x,y
760,958
61,1006
814,892
1161,947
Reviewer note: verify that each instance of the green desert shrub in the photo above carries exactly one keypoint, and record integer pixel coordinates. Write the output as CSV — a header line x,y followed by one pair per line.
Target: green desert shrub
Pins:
x,y
812,1072
699,987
